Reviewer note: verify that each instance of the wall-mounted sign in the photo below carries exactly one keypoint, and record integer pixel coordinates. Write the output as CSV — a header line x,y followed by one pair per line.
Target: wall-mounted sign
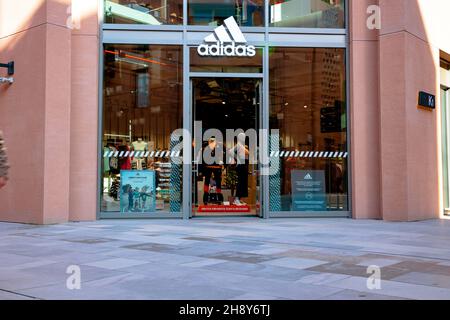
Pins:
x,y
229,42
308,190
427,100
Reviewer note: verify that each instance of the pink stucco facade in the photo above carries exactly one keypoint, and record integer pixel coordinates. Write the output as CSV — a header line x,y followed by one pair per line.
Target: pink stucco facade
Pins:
x,y
396,146
50,115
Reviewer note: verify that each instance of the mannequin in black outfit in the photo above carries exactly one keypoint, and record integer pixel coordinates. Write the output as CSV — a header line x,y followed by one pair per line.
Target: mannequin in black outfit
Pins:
x,y
212,170
241,150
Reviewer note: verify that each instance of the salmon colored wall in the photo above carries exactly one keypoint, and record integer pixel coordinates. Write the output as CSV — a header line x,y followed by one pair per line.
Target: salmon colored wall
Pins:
x,y
34,111
364,113
22,121
84,113
57,122
49,115
409,63
404,58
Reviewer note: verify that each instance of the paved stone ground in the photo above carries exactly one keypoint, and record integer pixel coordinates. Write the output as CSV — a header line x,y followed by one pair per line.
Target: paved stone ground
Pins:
x,y
234,258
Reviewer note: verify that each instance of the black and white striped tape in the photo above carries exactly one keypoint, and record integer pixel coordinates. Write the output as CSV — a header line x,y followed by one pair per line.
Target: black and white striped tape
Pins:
x,y
309,154
273,154
141,154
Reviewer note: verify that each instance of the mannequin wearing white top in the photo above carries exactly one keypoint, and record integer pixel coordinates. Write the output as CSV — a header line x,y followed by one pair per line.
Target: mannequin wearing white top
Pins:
x,y
139,145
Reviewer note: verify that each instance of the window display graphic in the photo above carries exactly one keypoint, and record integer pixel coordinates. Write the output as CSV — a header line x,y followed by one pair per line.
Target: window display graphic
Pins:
x,y
137,191
308,190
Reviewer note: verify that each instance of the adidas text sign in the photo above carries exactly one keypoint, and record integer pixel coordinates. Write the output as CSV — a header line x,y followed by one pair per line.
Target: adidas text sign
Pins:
x,y
227,41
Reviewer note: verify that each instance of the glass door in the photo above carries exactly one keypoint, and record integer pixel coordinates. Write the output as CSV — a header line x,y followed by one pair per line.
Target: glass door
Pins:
x,y
225,167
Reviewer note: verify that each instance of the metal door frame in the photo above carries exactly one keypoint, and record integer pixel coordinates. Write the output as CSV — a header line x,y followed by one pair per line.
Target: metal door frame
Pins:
x,y
188,121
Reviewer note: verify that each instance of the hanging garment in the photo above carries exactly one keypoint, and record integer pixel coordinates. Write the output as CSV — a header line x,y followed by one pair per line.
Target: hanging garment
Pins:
x,y
106,167
114,162
124,162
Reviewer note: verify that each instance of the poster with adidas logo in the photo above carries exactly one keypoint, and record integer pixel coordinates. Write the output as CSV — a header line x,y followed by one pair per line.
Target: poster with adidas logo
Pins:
x,y
308,190
226,41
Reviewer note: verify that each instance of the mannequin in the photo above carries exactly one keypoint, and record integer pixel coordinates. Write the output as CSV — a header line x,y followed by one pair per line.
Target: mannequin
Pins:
x,y
139,145
212,170
242,153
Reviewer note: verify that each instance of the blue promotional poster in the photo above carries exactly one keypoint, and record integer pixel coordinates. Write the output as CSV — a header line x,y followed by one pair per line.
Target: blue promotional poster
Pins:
x,y
308,190
137,191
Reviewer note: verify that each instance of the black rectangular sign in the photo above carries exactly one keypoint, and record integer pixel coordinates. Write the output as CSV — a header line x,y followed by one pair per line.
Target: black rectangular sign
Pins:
x,y
427,100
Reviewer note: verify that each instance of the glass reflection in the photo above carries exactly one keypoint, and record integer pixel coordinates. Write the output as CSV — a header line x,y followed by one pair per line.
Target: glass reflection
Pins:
x,y
307,13
214,12
308,107
150,12
143,105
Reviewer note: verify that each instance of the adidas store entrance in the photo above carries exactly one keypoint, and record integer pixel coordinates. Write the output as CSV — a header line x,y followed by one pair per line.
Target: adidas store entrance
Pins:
x,y
222,108
223,119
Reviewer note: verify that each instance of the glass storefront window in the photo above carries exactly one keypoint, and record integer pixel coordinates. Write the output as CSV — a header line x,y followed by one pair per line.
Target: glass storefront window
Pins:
x,y
307,13
214,12
150,12
145,98
143,105
283,13
308,107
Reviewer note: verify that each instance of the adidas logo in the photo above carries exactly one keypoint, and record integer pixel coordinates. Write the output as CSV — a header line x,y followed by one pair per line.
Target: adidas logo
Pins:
x,y
308,177
223,42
